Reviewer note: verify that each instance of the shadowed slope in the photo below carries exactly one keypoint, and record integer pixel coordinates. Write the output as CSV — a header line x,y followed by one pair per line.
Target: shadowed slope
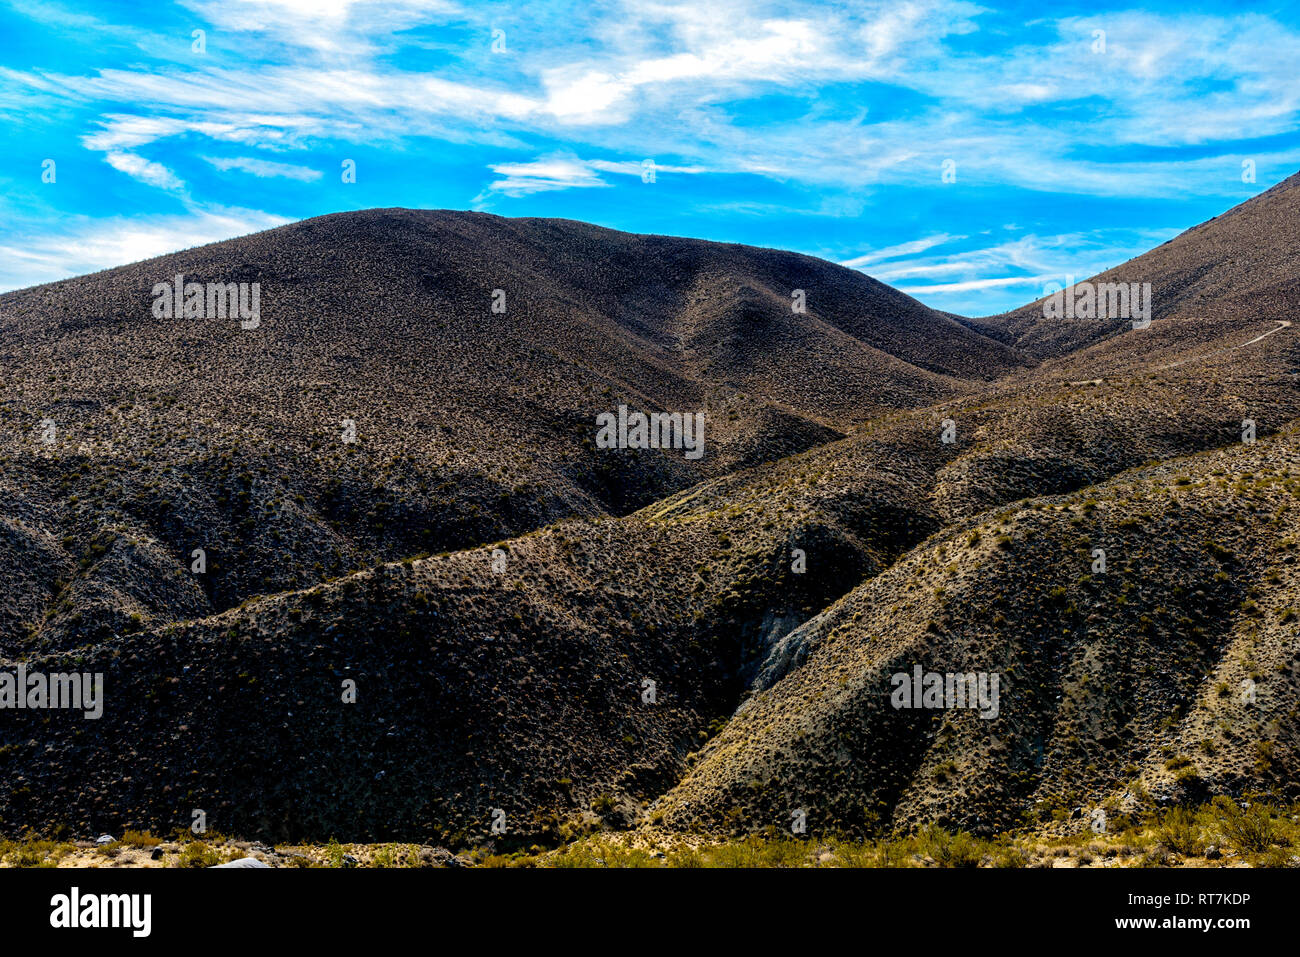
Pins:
x,y
179,434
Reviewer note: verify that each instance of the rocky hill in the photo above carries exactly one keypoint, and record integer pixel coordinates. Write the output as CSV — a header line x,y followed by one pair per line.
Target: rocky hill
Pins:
x,y
474,615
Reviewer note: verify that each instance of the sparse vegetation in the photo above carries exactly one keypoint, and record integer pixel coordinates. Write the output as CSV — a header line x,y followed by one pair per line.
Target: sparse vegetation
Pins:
x,y
1097,538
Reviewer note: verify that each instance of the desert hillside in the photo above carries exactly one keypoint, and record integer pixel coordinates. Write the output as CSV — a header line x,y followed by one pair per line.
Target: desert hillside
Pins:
x,y
467,425
537,630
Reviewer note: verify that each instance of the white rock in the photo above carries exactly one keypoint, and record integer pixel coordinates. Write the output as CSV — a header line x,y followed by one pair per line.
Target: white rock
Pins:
x,y
244,862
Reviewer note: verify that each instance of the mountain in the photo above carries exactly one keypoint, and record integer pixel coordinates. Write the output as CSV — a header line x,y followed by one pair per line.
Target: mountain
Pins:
x,y
176,434
545,632
1238,266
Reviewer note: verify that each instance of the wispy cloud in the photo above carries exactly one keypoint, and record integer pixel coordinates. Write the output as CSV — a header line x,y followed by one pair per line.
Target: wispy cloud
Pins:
x,y
146,171
1158,81
1024,265
33,254
264,168
789,114
971,285
902,249
558,171
564,170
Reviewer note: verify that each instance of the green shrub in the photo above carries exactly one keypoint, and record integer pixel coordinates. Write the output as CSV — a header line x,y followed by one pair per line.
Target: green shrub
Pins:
x,y
1180,832
198,854
1249,830
951,850
139,839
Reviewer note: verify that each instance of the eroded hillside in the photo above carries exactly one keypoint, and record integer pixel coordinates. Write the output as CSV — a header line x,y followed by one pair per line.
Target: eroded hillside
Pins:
x,y
632,634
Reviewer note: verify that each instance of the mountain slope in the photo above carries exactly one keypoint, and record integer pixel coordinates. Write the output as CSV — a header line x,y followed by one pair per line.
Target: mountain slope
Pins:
x,y
1113,682
179,434
882,488
1243,265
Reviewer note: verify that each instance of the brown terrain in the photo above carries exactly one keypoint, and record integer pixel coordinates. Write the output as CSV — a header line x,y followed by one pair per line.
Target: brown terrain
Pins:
x,y
501,590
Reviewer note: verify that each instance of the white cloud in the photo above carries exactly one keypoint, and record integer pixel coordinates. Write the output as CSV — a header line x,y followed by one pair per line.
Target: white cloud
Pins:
x,y
662,78
974,284
146,171
264,168
86,245
121,131
129,131
1025,264
557,171
564,170
731,55
329,28
634,167
685,80
902,249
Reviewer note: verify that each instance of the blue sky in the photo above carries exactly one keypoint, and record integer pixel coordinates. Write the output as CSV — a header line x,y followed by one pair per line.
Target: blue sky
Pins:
x,y
1075,138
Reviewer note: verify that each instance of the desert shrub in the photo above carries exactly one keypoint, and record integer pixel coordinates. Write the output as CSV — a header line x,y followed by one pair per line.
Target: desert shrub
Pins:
x,y
139,839
759,852
334,853
951,850
1249,830
198,854
32,851
1180,832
